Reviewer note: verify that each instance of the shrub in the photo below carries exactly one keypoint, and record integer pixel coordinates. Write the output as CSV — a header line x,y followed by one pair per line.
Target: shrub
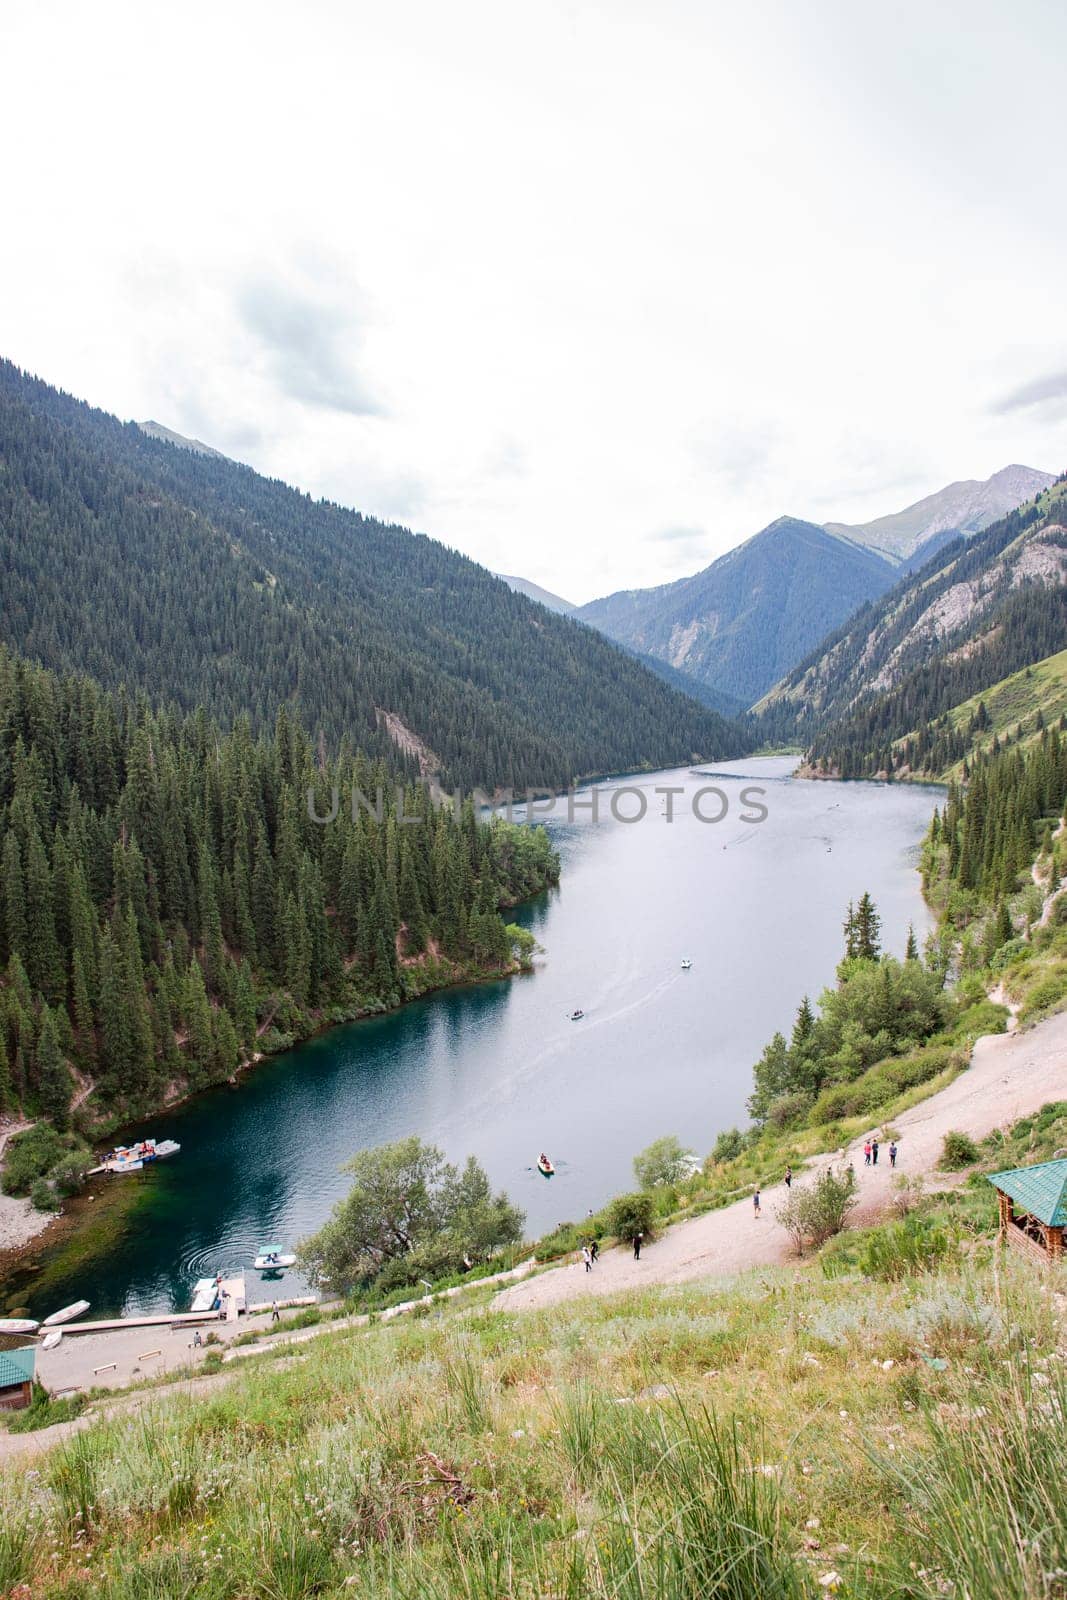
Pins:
x,y
958,1150
789,1110
666,1162
817,1211
42,1196
630,1214
29,1156
899,1249
729,1145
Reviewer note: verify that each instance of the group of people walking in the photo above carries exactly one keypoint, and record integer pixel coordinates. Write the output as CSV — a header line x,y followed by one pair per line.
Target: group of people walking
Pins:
x,y
591,1254
871,1148
870,1153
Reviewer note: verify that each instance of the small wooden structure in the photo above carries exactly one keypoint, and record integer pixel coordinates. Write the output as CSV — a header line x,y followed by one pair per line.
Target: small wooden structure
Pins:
x,y
17,1368
1033,1209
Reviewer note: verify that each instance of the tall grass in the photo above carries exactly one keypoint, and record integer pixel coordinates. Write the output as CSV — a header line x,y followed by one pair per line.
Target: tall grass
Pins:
x,y
987,1500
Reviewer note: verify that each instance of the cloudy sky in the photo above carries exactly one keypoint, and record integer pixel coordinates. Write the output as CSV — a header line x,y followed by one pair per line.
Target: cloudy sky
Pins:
x,y
590,291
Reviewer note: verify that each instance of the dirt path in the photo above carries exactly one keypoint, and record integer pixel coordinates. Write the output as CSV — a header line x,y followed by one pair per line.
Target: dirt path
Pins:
x,y
1011,1075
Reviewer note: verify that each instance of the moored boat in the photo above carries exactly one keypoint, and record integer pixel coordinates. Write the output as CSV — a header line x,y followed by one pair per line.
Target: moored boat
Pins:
x,y
205,1295
50,1340
68,1314
18,1325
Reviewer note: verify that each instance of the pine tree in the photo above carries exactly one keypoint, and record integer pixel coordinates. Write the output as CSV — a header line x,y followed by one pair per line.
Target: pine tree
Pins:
x,y
53,1081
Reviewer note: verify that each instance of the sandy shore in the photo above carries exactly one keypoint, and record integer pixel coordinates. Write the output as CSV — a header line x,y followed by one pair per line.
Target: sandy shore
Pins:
x,y
1011,1075
19,1222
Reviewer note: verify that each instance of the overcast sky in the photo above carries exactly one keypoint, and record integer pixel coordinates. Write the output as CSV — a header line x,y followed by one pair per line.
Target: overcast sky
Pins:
x,y
592,292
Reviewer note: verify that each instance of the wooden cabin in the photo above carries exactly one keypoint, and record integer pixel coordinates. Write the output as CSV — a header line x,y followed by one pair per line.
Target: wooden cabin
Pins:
x,y
16,1377
1033,1209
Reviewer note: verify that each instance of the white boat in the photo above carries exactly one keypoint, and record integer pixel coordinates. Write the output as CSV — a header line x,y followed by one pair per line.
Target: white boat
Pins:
x,y
205,1295
18,1325
272,1258
68,1314
577,1014
134,1157
686,964
50,1340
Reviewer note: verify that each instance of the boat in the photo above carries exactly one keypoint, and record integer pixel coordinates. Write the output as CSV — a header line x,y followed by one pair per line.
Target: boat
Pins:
x,y
272,1258
68,1314
50,1340
205,1295
544,1165
577,1014
686,964
134,1157
18,1325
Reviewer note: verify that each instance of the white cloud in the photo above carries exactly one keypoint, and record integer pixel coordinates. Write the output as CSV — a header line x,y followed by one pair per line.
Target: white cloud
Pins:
x,y
550,282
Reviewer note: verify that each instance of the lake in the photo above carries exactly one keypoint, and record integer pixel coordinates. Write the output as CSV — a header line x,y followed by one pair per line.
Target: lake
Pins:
x,y
499,1071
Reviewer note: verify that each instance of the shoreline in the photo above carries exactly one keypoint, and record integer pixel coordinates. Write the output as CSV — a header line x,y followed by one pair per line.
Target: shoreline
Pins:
x,y
23,1227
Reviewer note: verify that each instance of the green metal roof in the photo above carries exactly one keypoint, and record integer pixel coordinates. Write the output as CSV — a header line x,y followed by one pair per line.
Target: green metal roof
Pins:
x,y
17,1366
1041,1190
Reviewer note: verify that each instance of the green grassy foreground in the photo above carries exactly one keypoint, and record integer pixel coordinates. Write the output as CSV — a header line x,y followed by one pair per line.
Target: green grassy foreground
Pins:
x,y
888,1420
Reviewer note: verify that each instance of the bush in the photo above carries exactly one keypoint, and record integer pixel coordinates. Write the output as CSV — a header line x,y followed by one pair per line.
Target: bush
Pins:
x,y
42,1196
899,1249
816,1212
789,1110
729,1145
666,1162
958,1150
631,1214
30,1155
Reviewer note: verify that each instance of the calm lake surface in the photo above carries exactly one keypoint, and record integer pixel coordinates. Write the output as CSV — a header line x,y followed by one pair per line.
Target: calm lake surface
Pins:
x,y
499,1070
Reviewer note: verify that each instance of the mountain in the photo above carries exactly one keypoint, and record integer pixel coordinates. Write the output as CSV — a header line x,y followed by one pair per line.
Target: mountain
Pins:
x,y
533,591
195,581
964,507
156,430
981,610
743,621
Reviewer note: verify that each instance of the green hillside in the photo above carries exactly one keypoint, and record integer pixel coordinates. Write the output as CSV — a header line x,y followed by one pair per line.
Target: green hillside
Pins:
x,y
885,1422
1019,705
203,584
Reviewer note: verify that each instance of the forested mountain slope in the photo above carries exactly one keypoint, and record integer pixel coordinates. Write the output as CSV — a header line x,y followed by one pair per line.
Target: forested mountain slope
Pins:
x,y
743,621
168,905
202,583
974,615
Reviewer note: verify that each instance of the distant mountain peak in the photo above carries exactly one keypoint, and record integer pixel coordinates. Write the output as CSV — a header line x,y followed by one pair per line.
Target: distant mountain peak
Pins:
x,y
156,430
534,591
966,506
736,624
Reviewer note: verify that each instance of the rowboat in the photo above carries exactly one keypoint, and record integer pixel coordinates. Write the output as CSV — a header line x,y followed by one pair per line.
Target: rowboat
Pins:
x,y
545,1166
272,1258
686,964
18,1325
577,1014
50,1340
68,1314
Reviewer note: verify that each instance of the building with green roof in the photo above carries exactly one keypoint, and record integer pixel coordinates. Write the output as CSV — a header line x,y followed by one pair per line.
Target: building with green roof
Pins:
x,y
1033,1208
17,1368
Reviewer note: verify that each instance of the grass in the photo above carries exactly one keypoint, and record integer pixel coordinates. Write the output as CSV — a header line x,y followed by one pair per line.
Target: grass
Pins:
x,y
734,1439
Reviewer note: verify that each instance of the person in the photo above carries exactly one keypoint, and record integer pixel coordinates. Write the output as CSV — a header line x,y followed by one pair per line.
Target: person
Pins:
x,y
275,1314
755,1201
594,1250
867,1154
893,1153
197,1341
637,1245
587,1258
789,1177
874,1152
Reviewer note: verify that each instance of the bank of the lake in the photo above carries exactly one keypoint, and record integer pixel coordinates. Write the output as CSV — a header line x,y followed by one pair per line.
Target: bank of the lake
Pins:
x,y
498,1070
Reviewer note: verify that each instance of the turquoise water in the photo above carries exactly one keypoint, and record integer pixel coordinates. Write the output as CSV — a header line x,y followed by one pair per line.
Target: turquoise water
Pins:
x,y
499,1071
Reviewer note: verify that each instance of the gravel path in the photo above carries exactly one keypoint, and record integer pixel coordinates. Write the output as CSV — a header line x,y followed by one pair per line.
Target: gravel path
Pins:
x,y
1011,1076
